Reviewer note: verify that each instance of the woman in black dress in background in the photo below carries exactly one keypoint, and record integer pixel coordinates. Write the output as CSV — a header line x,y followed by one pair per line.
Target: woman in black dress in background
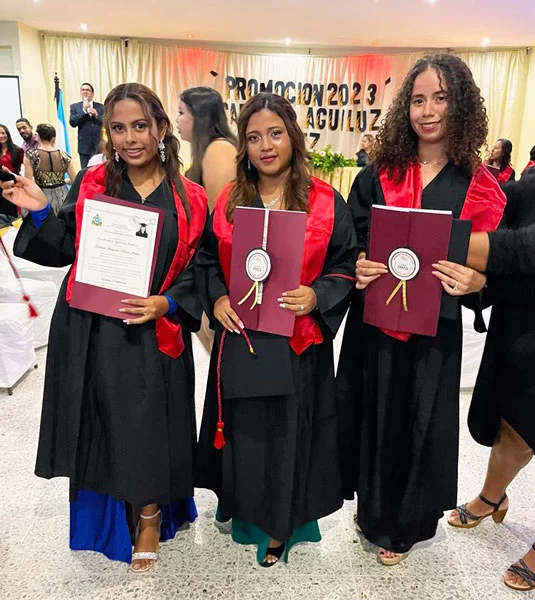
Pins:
x,y
503,402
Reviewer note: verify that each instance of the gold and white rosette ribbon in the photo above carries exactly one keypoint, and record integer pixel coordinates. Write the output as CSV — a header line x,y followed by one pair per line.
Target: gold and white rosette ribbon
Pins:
x,y
258,267
404,265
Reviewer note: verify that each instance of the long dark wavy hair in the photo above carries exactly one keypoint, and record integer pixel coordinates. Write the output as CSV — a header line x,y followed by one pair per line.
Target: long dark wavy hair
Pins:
x,y
209,124
14,151
154,112
507,149
467,123
298,182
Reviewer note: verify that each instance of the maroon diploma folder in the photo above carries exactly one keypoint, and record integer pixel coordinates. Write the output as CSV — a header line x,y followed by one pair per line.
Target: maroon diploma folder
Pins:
x,y
102,300
408,241
267,257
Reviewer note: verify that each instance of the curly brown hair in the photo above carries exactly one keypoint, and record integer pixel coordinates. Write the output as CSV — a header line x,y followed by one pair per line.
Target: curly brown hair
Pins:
x,y
467,124
297,183
153,110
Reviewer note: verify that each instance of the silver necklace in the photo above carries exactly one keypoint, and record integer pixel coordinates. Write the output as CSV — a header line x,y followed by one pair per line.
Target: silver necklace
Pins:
x,y
274,201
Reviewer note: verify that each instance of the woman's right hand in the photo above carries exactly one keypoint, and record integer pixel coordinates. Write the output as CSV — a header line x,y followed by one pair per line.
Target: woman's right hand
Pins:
x,y
367,271
224,313
24,193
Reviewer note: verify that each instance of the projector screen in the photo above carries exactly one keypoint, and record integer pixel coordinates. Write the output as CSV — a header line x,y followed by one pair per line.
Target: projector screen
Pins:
x,y
10,105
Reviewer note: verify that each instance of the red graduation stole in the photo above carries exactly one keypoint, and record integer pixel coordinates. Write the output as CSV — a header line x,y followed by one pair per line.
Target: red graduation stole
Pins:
x,y
505,175
319,228
530,164
484,203
168,332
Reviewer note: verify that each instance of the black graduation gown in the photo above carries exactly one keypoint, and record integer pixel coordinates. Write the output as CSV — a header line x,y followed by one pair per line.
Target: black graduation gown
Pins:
x,y
118,415
279,468
398,402
505,385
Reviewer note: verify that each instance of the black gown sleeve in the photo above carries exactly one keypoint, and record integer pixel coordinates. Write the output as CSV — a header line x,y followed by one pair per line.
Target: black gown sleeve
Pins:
x,y
184,292
332,293
360,200
512,251
208,274
52,244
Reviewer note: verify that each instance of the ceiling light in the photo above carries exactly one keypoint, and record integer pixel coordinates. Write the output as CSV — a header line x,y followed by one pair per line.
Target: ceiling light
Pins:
x,y
83,26
190,36
485,42
287,41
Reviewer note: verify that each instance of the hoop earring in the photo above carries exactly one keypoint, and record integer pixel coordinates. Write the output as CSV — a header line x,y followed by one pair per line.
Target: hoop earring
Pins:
x,y
116,156
161,151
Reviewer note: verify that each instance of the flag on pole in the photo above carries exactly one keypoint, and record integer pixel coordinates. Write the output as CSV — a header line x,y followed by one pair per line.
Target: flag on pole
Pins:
x,y
62,139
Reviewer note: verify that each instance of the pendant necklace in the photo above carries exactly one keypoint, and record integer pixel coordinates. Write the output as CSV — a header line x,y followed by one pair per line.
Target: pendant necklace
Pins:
x,y
274,201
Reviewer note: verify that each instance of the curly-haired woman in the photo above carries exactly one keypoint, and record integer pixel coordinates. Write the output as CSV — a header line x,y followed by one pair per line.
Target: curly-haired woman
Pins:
x,y
398,394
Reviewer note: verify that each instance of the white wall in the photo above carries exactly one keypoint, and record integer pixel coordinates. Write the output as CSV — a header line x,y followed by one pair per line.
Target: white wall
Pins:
x,y
9,47
35,104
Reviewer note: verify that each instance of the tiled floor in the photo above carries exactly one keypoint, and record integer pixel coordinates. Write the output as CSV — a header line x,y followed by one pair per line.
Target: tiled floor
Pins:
x,y
35,562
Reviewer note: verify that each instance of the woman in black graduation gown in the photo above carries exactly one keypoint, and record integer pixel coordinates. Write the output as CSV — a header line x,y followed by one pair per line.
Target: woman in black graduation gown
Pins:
x,y
399,394
503,402
277,473
118,413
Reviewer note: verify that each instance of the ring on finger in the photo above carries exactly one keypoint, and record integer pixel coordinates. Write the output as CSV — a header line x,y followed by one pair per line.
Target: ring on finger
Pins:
x,y
456,287
302,307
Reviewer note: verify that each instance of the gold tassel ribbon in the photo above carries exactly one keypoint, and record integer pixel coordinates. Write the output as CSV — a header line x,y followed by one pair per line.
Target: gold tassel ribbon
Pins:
x,y
254,288
403,285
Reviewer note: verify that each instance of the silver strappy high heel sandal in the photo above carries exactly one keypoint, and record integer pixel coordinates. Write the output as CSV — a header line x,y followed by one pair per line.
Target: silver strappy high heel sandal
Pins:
x,y
152,556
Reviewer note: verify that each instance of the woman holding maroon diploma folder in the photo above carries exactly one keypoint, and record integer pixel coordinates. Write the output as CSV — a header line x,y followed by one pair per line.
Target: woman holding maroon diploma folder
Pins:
x,y
399,393
118,413
273,463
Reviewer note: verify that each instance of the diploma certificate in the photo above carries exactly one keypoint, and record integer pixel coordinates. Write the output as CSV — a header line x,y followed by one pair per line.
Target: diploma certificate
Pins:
x,y
117,245
117,254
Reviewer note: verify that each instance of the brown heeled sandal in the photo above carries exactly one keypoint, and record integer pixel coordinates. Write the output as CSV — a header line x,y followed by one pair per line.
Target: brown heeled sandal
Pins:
x,y
525,573
469,520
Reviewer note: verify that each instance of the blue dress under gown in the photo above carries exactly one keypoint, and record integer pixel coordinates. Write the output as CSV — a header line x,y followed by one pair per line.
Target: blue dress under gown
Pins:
x,y
98,522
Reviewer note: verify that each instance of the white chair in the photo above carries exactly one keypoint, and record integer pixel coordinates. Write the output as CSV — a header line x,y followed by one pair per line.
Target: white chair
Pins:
x,y
43,295
17,354
30,270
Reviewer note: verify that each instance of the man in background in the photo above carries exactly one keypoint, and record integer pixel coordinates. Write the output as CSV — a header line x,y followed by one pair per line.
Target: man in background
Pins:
x,y
25,130
87,115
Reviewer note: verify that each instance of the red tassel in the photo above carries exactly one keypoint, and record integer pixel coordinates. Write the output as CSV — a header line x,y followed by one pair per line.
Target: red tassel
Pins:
x,y
31,308
219,440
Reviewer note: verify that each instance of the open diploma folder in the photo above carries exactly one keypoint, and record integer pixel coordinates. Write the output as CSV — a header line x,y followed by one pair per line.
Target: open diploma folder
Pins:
x,y
117,254
267,258
408,298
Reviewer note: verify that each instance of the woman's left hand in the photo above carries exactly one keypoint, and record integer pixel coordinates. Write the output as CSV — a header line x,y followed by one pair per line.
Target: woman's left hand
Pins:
x,y
149,308
458,280
301,301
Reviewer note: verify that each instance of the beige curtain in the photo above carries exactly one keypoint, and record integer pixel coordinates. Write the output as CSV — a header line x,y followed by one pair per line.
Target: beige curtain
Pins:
x,y
502,77
100,62
168,68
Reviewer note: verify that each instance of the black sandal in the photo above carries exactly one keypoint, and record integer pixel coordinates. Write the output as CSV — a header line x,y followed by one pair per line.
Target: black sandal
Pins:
x,y
276,552
469,520
525,573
